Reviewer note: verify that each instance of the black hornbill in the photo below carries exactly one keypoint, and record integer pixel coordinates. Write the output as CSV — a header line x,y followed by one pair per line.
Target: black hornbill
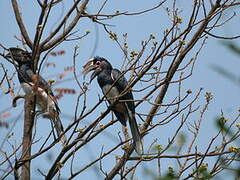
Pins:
x,y
113,83
34,84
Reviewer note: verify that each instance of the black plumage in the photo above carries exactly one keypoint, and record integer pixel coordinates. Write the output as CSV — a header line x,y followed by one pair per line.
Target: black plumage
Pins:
x,y
34,84
113,83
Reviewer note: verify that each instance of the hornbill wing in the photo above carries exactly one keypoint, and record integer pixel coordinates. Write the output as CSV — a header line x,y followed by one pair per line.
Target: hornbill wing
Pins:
x,y
121,84
42,83
54,110
121,118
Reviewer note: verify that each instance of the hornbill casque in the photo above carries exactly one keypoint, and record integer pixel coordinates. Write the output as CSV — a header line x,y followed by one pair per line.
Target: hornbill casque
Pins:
x,y
34,84
113,83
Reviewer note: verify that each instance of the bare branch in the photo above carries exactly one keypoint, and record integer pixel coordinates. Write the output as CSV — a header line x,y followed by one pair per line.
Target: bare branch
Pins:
x,y
46,44
21,24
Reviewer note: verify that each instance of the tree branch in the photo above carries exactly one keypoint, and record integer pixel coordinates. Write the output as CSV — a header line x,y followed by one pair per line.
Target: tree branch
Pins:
x,y
174,66
67,30
27,136
21,24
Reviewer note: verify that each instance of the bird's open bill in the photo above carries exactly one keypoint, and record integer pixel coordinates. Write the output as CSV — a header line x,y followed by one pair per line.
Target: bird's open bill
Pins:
x,y
90,66
9,54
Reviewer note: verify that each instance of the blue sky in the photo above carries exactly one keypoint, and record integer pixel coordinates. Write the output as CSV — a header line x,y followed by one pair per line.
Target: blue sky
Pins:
x,y
225,93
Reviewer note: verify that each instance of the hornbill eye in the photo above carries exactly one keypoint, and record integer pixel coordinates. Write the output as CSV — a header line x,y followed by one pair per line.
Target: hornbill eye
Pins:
x,y
98,63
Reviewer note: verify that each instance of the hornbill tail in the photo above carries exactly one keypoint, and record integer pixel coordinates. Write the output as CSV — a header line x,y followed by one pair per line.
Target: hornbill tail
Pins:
x,y
59,129
137,141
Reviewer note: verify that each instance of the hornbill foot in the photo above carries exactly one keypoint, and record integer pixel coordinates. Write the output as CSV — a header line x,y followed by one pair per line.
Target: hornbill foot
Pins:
x,y
14,102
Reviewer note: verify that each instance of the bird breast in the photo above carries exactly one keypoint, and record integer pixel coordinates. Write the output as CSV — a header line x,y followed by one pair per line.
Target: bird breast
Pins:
x,y
111,93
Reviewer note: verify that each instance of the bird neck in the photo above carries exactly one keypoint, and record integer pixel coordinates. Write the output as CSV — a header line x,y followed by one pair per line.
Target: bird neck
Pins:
x,y
107,71
104,78
24,73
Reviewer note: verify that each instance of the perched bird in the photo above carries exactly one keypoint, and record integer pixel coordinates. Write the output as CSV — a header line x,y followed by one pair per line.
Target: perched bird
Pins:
x,y
34,84
113,83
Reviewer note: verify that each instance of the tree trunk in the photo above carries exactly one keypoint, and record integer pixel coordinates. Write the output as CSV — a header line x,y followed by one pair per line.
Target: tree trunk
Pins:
x,y
29,107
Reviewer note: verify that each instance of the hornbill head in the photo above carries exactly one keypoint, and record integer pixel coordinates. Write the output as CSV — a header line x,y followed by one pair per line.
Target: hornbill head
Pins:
x,y
19,55
96,64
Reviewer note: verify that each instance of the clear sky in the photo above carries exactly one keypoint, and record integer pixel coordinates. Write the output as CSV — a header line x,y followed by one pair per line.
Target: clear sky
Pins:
x,y
225,93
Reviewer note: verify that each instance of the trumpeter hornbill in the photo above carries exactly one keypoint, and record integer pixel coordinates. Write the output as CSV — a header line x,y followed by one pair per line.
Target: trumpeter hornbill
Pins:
x,y
113,83
34,84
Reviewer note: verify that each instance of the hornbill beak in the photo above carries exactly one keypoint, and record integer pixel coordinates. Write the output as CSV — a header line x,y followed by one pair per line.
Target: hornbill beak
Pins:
x,y
10,58
11,52
90,66
8,55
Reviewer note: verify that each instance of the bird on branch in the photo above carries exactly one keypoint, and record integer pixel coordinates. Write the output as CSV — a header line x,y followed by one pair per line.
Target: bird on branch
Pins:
x,y
113,85
34,84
